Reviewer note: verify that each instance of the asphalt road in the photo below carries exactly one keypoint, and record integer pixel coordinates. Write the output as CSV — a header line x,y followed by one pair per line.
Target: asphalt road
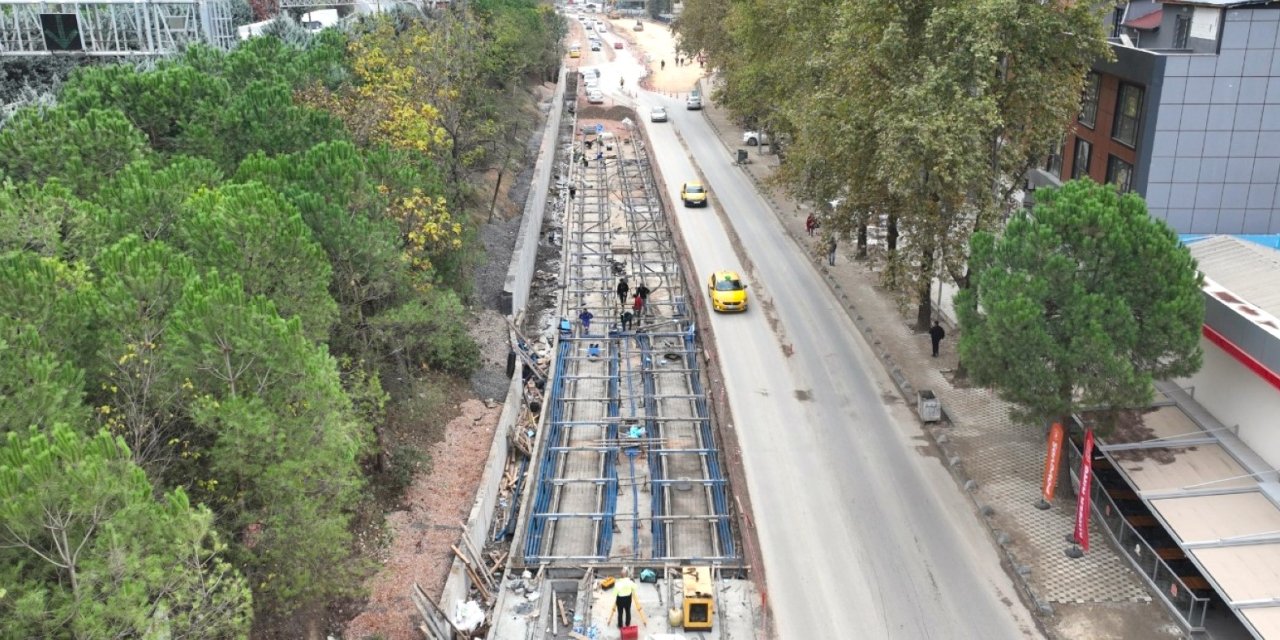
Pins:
x,y
862,531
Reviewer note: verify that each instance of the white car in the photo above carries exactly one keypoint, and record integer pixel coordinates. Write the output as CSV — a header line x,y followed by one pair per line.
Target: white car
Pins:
x,y
591,82
658,114
753,138
595,96
694,102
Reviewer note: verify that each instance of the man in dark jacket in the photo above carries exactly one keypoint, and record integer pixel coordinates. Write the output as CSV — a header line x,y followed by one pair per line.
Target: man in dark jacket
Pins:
x,y
936,334
623,288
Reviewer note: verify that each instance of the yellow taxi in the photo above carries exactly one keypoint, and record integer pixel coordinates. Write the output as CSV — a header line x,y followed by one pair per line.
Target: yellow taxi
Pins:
x,y
575,51
693,194
727,291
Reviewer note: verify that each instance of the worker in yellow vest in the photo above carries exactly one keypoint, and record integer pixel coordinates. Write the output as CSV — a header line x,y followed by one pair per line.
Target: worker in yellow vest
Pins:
x,y
622,591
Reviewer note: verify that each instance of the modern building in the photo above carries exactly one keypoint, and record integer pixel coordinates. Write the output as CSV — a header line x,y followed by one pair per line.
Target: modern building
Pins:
x,y
1187,115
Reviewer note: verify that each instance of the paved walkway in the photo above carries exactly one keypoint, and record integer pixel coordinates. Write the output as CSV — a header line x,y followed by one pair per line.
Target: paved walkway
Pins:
x,y
1097,596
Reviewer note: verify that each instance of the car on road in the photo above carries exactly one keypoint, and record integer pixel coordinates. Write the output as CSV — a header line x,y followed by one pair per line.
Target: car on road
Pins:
x,y
617,44
753,138
575,51
727,291
595,96
595,45
694,102
658,114
693,194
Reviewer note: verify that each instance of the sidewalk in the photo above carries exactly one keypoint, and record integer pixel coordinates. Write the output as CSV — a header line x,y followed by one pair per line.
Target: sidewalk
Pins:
x,y
997,461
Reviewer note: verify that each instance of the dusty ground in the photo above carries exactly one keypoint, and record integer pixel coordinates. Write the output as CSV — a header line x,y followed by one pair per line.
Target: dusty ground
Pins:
x,y
421,533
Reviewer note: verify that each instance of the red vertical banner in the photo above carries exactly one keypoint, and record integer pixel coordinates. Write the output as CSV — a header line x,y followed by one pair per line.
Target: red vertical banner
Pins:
x,y
1052,462
1086,484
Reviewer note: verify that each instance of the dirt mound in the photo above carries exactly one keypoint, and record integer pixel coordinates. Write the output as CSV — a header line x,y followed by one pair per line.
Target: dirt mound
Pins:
x,y
606,113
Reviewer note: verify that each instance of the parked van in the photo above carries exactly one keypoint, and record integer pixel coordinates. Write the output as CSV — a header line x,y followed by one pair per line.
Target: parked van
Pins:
x,y
319,20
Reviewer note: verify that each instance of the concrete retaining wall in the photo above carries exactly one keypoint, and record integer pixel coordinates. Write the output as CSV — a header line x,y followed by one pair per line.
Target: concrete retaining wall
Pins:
x,y
515,296
515,289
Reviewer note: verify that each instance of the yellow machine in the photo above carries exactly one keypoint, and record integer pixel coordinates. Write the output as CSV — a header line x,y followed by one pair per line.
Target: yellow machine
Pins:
x,y
698,594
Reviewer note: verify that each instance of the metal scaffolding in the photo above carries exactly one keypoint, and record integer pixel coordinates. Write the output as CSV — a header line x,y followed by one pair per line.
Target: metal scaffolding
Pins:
x,y
113,27
627,466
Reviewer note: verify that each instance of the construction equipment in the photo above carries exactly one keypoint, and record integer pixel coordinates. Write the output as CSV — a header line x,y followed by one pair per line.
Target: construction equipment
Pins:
x,y
698,598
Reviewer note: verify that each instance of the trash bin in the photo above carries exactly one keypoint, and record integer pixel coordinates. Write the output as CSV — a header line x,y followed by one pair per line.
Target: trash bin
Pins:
x,y
929,406
742,156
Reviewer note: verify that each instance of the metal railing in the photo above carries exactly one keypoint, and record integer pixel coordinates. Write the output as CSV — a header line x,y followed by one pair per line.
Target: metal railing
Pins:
x,y
1159,576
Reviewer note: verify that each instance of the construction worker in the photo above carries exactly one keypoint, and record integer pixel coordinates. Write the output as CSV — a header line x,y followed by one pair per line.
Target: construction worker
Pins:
x,y
623,589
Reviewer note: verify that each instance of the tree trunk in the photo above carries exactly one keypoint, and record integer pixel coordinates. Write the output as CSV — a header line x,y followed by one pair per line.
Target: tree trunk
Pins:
x,y
862,242
497,188
892,234
924,308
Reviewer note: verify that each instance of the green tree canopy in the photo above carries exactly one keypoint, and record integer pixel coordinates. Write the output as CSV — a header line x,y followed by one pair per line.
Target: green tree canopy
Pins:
x,y
278,440
146,197
250,230
79,148
160,102
139,392
87,552
1081,304
45,219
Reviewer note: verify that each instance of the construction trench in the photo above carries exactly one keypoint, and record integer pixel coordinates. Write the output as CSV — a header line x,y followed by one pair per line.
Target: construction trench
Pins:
x,y
612,457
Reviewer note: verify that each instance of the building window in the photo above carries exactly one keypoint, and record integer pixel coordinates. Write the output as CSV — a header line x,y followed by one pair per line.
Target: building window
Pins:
x,y
1120,173
1054,164
1181,31
1089,101
1080,165
1128,106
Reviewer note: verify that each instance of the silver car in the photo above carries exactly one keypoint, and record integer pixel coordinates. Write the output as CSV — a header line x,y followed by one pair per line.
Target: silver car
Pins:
x,y
658,114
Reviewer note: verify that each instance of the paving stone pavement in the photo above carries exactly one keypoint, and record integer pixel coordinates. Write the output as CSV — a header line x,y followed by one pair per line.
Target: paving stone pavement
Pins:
x,y
1098,596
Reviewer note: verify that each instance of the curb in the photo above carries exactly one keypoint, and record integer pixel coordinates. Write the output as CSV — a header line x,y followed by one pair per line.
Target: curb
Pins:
x,y
1018,572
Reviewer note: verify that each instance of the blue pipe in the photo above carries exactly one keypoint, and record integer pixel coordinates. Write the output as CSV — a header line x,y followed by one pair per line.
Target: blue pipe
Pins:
x,y
632,452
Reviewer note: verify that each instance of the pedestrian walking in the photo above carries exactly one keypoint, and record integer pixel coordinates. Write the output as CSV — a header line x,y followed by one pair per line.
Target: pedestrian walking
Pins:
x,y
600,156
586,317
810,223
643,292
584,161
573,191
622,289
662,65
637,305
936,334
831,251
622,82
626,321
623,589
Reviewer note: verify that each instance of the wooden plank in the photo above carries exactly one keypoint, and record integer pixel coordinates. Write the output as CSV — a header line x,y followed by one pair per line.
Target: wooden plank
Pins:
x,y
419,596
471,572
481,565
